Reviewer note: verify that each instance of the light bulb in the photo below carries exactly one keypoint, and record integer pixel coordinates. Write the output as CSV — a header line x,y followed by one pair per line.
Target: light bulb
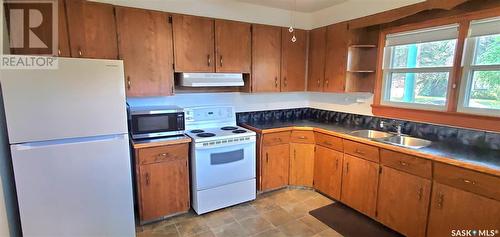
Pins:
x,y
290,29
294,38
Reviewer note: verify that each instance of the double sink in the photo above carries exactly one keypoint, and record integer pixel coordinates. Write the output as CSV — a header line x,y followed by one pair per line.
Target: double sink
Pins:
x,y
394,139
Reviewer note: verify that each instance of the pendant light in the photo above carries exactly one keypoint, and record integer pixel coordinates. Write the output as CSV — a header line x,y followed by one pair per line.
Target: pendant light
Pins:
x,y
292,22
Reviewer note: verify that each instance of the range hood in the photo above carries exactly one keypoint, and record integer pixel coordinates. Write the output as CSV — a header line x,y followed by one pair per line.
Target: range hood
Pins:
x,y
211,79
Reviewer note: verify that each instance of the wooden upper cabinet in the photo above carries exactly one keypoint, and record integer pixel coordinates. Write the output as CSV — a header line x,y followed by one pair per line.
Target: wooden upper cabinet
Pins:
x,y
455,209
233,46
301,164
266,58
293,60
360,184
63,50
145,45
92,29
275,161
403,201
337,38
316,58
193,44
328,171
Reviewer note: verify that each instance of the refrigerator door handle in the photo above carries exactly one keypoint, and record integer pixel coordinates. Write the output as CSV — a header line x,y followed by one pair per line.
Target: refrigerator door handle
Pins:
x,y
34,145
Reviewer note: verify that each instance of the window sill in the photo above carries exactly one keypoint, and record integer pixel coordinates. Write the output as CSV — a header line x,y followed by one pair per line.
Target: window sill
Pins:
x,y
456,119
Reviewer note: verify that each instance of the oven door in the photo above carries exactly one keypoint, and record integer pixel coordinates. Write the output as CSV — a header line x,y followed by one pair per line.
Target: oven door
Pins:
x,y
222,165
156,125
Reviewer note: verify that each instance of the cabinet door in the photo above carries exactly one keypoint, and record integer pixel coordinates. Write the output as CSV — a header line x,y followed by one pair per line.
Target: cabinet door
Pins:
x,y
145,43
275,166
403,201
453,209
266,58
233,47
63,50
359,184
301,164
337,38
293,60
164,189
316,65
92,30
328,171
193,44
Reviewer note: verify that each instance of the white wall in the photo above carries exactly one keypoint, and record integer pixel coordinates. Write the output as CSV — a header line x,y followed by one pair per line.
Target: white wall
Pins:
x,y
357,103
241,11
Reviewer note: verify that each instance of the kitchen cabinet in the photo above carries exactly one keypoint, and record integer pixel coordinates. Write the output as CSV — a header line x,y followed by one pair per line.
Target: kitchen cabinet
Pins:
x,y
193,44
163,181
92,29
328,171
275,161
360,184
63,50
316,59
266,58
233,46
403,201
453,209
145,46
301,164
337,38
293,60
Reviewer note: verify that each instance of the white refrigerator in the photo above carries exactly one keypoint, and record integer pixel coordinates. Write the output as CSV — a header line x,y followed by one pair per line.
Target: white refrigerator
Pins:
x,y
70,152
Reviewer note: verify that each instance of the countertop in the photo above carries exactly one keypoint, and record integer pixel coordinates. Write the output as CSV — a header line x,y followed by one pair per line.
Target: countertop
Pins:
x,y
145,143
479,159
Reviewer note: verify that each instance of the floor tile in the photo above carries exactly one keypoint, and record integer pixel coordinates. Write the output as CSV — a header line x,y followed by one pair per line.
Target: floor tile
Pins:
x,y
230,230
255,225
192,227
271,233
218,218
314,224
263,205
243,211
277,216
328,233
296,228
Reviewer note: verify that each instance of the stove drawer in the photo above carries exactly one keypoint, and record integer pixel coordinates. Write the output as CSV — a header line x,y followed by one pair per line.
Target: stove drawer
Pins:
x,y
162,153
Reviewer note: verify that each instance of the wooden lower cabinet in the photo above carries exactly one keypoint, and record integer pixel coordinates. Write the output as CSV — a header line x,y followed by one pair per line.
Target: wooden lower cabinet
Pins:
x,y
453,209
403,201
301,164
274,168
163,184
328,171
360,184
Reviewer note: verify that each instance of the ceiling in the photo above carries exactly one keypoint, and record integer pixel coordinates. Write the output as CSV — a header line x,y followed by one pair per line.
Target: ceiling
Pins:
x,y
295,5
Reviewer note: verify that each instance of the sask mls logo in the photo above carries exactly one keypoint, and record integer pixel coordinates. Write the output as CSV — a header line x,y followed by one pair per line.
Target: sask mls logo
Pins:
x,y
32,34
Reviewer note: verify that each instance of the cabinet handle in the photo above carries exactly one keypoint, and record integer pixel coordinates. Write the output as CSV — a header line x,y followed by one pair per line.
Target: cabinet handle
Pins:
x,y
129,84
302,137
318,84
467,181
209,60
276,82
440,201
337,164
284,81
80,52
420,193
147,178
327,143
294,154
327,81
220,60
172,90
267,157
278,139
359,152
347,168
162,156
59,52
403,163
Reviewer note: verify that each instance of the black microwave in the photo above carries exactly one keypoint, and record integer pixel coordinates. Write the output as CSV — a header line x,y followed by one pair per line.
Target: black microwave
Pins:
x,y
155,121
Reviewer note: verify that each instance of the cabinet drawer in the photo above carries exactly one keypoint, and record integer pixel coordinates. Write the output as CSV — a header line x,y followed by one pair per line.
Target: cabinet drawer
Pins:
x,y
361,150
302,137
276,138
407,163
163,153
468,180
328,141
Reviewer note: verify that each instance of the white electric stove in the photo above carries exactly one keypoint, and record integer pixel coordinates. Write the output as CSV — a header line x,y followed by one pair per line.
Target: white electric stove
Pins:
x,y
223,159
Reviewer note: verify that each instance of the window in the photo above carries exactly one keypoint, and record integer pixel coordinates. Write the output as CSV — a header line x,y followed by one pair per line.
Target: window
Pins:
x,y
480,83
417,67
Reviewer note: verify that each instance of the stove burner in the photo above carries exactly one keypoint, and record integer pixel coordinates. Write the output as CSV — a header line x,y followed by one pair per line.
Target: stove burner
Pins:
x,y
197,131
205,134
229,128
239,131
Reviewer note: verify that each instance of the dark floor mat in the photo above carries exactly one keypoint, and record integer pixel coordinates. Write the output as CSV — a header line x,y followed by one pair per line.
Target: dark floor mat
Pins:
x,y
350,223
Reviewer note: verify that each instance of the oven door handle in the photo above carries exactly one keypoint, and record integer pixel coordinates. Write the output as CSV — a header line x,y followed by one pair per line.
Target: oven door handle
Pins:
x,y
200,146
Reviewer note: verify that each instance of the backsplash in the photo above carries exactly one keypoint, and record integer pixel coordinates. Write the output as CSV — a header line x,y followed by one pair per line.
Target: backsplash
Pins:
x,y
431,132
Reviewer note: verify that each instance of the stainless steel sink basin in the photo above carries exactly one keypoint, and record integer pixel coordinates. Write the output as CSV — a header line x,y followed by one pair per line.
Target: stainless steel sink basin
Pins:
x,y
371,134
406,141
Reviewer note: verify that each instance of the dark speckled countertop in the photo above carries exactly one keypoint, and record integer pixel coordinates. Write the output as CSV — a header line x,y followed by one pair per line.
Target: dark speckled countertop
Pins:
x,y
487,158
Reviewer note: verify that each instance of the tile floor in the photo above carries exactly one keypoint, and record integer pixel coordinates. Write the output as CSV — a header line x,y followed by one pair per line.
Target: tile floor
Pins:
x,y
280,213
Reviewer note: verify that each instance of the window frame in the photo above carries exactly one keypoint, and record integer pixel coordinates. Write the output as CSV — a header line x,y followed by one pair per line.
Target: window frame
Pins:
x,y
451,116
